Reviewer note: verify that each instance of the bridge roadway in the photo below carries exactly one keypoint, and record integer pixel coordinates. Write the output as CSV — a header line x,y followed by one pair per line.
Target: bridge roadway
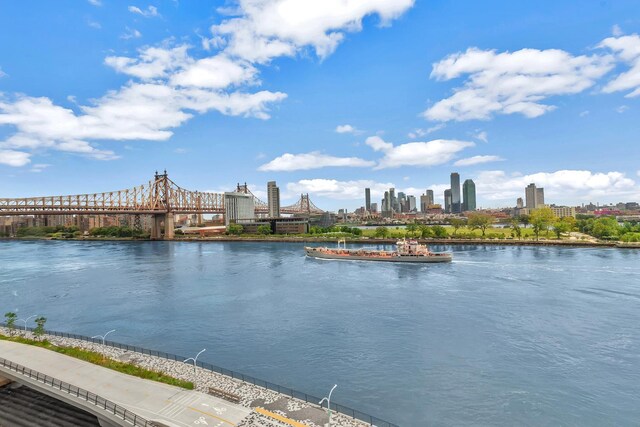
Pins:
x,y
152,400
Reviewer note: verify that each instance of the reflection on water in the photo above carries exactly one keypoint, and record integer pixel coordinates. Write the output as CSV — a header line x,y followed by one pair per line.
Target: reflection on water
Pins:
x,y
500,336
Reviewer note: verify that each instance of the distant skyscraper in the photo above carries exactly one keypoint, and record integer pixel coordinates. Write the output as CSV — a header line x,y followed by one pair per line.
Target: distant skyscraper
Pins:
x,y
424,203
411,203
386,202
530,196
367,199
273,199
539,197
519,203
469,196
447,200
455,193
401,202
393,201
430,199
374,207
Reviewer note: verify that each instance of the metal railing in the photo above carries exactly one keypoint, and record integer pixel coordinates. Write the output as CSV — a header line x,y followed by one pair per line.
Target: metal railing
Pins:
x,y
99,402
370,419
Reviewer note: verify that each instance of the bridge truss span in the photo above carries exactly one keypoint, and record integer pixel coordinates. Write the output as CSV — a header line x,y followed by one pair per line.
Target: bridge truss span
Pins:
x,y
159,195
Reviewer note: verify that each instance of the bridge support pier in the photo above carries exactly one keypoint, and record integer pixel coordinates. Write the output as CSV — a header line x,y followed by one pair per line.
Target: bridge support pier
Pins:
x,y
169,225
156,227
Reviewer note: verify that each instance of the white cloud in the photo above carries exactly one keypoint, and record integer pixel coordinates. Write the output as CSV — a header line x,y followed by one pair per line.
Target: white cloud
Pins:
x,y
94,24
313,160
476,160
151,63
169,85
340,190
135,112
131,33
435,152
481,136
378,144
216,72
621,109
616,30
39,167
149,12
2,73
346,129
14,158
419,133
627,50
95,2
180,151
638,172
232,104
559,187
266,29
584,113
84,148
512,82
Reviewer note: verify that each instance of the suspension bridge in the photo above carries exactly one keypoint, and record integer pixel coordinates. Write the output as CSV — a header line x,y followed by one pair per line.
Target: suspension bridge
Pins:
x,y
160,197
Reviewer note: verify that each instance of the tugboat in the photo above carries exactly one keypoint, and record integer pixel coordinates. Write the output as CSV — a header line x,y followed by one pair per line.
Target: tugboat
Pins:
x,y
406,251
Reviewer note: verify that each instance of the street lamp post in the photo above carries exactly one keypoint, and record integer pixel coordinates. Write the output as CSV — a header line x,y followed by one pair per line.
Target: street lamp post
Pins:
x,y
328,399
25,321
103,336
195,359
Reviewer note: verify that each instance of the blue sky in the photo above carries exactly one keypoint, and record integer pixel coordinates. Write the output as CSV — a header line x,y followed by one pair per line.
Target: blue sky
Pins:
x,y
325,97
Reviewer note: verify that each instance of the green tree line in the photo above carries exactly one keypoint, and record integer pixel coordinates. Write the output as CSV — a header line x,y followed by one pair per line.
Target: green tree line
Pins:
x,y
608,228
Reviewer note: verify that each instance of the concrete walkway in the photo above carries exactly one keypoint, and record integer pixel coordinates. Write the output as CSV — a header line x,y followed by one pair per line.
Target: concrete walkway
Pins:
x,y
150,399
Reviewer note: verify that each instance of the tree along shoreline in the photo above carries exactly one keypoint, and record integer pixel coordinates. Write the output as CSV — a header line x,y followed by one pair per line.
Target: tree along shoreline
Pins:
x,y
355,240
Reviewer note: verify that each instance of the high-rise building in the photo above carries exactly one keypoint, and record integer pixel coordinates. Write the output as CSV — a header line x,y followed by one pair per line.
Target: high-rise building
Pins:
x,y
539,197
386,202
393,201
238,206
424,203
402,198
430,199
411,203
273,199
367,199
530,196
468,196
374,207
447,200
456,206
519,203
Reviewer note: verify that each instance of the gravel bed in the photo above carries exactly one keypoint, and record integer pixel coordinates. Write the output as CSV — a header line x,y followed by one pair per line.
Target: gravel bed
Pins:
x,y
248,393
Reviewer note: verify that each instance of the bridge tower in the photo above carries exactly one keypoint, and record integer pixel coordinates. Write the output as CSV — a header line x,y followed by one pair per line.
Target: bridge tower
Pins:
x,y
162,204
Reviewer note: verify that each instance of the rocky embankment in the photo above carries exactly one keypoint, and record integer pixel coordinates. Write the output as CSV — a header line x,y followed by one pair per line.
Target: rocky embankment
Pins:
x,y
250,395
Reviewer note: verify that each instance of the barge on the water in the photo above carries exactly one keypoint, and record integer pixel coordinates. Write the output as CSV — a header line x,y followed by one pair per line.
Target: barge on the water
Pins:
x,y
406,251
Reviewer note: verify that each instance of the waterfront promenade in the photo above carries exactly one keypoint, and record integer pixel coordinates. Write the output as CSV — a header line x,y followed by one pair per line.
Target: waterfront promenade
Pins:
x,y
149,399
255,406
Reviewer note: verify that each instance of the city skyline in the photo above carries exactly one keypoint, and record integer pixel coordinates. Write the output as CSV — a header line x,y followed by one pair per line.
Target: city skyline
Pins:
x,y
379,97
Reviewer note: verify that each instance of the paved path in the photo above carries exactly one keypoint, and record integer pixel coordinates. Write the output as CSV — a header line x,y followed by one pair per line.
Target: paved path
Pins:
x,y
149,399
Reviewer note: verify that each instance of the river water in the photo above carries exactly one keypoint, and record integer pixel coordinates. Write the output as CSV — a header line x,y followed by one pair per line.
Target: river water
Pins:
x,y
501,336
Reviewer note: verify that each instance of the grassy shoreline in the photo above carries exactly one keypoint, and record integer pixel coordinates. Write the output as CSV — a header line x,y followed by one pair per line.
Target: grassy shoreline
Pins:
x,y
100,360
